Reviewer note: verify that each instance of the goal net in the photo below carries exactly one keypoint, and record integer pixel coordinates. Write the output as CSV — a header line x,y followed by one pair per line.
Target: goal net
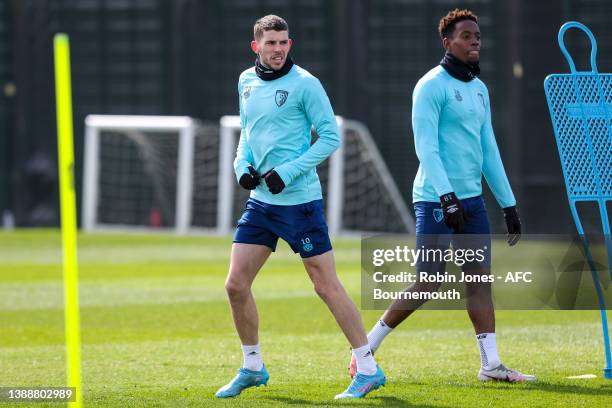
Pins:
x,y
171,172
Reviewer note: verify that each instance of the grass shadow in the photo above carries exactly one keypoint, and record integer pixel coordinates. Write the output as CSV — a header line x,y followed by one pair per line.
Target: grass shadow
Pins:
x,y
374,401
600,389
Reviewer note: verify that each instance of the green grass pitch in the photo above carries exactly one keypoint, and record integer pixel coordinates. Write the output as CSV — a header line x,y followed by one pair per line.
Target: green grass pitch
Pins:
x,y
157,331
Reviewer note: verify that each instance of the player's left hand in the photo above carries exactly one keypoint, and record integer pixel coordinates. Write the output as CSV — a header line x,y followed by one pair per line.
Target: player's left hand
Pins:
x,y
273,181
513,224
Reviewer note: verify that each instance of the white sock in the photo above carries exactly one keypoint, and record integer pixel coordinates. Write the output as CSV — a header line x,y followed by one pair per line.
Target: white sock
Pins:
x,y
365,360
252,357
488,351
378,334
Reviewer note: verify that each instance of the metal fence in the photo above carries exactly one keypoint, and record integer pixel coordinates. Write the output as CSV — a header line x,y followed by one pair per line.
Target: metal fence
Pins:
x,y
184,57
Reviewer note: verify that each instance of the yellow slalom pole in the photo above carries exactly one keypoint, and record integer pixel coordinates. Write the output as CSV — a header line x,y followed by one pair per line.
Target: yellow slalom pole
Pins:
x,y
65,148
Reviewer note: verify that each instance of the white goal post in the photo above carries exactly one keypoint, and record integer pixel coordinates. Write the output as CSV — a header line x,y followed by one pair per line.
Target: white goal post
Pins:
x,y
174,172
183,125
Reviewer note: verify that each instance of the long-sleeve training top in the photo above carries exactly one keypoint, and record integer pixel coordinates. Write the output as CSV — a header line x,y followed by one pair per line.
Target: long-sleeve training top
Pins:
x,y
276,118
454,140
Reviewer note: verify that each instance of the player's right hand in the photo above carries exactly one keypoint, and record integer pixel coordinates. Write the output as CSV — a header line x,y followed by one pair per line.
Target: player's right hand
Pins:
x,y
250,180
454,216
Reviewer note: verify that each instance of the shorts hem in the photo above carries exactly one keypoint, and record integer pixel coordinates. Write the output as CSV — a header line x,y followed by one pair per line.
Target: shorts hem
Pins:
x,y
314,253
255,243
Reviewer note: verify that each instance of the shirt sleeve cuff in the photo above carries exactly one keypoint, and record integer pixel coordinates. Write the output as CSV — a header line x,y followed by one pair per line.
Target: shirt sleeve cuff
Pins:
x,y
283,174
240,170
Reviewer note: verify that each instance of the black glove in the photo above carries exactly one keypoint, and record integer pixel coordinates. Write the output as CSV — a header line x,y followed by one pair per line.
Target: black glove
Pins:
x,y
454,217
250,180
273,181
513,224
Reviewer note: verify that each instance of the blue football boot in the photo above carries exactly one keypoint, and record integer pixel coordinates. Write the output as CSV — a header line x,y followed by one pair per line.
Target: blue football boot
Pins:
x,y
362,384
244,379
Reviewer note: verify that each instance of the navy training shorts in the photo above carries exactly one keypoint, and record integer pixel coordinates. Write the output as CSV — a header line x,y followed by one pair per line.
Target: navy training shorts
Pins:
x,y
432,232
302,226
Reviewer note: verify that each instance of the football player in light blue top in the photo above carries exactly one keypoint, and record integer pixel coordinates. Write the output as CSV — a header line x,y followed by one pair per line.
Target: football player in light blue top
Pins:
x,y
276,117
279,104
455,144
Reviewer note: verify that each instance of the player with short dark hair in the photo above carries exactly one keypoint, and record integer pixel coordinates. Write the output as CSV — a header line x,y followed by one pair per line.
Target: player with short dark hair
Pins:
x,y
279,104
268,23
455,144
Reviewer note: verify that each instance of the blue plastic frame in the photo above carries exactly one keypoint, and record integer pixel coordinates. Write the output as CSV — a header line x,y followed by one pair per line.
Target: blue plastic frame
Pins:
x,y
599,181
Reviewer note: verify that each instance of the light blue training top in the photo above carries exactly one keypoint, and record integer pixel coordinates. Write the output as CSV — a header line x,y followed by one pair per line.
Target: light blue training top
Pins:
x,y
454,140
276,118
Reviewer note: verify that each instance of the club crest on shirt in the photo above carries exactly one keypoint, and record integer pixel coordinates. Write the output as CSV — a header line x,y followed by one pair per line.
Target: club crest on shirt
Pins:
x,y
247,92
458,95
481,96
281,97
